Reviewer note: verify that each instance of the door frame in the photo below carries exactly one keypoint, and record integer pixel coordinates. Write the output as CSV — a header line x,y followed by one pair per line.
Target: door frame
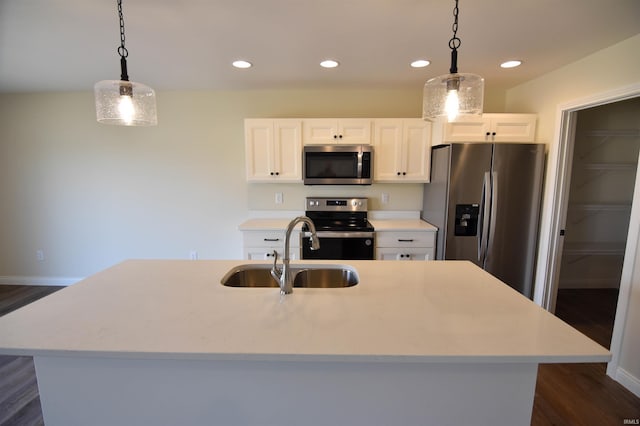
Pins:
x,y
553,216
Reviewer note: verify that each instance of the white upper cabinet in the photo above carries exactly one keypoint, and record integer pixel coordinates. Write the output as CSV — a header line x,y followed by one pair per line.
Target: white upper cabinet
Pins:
x,y
273,150
333,130
488,128
402,150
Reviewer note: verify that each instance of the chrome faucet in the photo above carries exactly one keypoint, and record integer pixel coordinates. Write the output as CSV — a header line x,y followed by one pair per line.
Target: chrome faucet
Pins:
x,y
283,275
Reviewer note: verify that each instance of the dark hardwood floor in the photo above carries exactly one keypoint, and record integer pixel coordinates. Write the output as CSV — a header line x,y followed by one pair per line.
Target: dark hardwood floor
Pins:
x,y
566,394
582,394
13,297
19,399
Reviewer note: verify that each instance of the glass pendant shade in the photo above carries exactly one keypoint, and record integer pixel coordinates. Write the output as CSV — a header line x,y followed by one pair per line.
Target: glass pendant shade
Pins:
x,y
452,95
125,103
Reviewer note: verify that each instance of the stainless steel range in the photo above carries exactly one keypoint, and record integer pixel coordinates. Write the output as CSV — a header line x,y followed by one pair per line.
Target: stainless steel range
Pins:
x,y
343,229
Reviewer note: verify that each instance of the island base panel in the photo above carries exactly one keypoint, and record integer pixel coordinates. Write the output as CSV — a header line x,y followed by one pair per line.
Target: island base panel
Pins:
x,y
108,391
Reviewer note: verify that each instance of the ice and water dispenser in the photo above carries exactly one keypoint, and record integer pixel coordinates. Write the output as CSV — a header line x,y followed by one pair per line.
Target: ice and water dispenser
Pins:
x,y
467,220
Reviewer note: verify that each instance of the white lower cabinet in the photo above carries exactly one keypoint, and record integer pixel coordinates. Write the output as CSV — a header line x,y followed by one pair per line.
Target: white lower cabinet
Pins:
x,y
260,245
405,245
393,253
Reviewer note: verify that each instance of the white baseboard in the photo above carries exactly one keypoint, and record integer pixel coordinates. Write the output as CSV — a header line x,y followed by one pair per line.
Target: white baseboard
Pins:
x,y
627,380
50,281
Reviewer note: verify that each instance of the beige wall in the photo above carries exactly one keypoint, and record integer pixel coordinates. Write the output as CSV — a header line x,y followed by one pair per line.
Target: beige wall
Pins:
x,y
90,195
614,67
609,70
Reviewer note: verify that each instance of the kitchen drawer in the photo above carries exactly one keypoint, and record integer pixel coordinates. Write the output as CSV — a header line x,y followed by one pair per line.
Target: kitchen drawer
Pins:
x,y
410,253
405,239
266,253
269,239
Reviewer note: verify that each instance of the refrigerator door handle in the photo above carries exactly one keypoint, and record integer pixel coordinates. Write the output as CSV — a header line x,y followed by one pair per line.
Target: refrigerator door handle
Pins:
x,y
485,204
494,209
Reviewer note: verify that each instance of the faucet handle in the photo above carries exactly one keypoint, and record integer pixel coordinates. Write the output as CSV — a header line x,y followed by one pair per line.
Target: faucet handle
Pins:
x,y
276,272
315,241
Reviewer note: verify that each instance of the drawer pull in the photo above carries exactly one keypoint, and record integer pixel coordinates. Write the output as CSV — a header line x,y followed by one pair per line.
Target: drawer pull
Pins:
x,y
272,239
405,241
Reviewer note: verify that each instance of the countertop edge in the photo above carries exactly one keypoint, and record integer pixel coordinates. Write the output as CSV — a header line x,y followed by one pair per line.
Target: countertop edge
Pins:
x,y
399,359
280,224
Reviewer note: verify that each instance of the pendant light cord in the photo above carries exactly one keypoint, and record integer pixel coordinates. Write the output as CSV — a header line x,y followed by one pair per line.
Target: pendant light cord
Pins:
x,y
455,42
122,51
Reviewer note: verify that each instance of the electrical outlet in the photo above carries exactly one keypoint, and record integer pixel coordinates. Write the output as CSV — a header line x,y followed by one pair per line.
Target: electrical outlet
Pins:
x,y
40,255
385,198
193,255
279,197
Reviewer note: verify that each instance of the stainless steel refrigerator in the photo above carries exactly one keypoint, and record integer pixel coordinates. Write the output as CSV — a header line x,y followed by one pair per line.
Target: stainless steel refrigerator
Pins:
x,y
485,200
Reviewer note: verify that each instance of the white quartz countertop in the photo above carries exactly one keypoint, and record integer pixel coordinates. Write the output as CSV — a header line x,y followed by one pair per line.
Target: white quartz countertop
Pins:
x,y
439,311
402,225
378,224
265,224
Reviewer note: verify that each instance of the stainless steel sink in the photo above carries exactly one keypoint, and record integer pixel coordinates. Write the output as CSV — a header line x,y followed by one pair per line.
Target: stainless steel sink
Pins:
x,y
326,277
309,276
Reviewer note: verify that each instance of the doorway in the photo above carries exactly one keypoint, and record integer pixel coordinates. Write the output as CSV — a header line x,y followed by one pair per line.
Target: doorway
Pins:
x,y
603,164
556,200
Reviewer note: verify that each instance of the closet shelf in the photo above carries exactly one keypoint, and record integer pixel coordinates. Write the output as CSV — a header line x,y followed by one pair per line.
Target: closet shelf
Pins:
x,y
630,133
601,207
591,210
594,249
607,136
609,166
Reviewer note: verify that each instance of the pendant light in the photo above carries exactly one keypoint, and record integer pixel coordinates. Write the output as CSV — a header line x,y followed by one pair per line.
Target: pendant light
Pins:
x,y
123,102
455,93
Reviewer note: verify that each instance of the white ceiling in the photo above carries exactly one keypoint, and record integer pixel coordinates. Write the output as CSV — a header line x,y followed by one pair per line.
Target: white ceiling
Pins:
x,y
54,45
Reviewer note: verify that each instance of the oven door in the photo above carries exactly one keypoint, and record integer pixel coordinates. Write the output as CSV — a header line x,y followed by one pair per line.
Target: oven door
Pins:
x,y
339,245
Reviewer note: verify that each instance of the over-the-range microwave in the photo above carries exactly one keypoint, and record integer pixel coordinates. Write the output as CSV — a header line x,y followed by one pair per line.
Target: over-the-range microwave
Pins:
x,y
337,164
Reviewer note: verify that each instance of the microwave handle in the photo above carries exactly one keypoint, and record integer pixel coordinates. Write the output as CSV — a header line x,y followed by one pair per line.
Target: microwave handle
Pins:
x,y
360,164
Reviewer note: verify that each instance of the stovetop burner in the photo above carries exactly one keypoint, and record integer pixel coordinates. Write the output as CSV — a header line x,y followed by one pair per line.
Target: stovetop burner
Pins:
x,y
338,214
338,225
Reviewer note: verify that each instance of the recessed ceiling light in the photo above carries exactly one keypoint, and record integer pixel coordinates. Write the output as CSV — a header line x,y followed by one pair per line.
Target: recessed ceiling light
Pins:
x,y
420,63
329,63
242,64
511,64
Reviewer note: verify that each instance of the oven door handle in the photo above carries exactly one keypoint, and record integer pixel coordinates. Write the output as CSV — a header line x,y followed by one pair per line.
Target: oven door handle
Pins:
x,y
338,234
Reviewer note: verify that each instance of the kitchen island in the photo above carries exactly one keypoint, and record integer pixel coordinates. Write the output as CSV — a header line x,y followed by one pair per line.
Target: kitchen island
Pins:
x,y
160,342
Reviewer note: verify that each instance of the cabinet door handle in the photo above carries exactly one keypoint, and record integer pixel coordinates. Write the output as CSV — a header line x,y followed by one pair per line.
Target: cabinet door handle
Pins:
x,y
272,239
399,173
405,241
335,136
